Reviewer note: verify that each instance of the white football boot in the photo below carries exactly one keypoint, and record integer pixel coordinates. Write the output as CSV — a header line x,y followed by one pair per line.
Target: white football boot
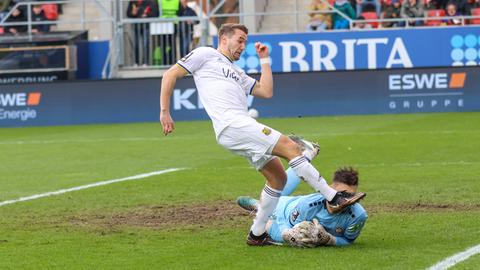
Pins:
x,y
309,149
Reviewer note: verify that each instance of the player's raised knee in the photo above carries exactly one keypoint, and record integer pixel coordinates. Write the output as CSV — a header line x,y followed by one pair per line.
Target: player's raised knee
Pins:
x,y
287,148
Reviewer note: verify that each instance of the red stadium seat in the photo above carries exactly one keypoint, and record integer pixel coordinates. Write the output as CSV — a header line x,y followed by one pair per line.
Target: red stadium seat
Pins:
x,y
51,11
370,15
475,12
389,2
434,13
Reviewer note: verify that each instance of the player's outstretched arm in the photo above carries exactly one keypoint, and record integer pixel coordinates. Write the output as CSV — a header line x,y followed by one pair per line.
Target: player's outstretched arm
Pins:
x,y
168,83
264,88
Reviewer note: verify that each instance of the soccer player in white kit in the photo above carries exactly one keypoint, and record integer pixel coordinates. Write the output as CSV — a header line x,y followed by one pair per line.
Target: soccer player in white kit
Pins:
x,y
223,89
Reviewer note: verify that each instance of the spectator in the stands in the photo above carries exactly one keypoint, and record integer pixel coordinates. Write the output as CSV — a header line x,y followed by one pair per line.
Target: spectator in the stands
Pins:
x,y
319,21
434,4
339,21
362,4
142,9
462,6
451,11
39,16
361,24
391,11
17,16
59,6
185,31
413,11
166,52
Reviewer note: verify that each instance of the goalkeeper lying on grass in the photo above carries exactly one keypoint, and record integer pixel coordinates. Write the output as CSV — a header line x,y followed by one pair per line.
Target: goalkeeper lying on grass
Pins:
x,y
308,221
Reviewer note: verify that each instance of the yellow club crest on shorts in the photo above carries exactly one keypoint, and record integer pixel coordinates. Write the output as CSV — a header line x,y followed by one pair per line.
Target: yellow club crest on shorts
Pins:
x,y
266,131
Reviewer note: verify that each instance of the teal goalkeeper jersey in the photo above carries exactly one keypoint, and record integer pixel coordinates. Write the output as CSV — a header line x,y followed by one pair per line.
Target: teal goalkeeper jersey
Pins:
x,y
345,226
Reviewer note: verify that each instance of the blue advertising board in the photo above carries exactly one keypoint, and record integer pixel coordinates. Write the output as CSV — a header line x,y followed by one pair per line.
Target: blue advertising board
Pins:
x,y
356,92
375,49
295,94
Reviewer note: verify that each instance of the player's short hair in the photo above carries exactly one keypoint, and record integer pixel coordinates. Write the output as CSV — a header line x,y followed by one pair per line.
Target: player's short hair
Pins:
x,y
347,176
228,29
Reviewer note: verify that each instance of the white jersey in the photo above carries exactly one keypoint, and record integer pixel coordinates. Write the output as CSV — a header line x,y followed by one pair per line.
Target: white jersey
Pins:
x,y
222,87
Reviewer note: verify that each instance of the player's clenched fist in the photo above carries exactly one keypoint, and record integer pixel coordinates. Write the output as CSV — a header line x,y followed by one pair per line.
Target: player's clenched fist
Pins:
x,y
262,50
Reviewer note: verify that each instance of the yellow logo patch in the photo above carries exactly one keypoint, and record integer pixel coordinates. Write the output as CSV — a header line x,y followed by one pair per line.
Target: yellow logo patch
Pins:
x,y
266,131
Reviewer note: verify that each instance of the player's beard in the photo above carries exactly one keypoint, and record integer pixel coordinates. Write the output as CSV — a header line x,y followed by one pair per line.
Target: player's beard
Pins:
x,y
235,54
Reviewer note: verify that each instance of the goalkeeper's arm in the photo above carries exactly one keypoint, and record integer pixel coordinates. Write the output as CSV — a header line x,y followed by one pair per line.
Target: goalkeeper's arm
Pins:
x,y
313,234
342,241
353,230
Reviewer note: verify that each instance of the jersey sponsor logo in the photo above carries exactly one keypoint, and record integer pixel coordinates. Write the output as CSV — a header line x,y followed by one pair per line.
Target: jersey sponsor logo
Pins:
x,y
230,74
266,131
294,216
339,230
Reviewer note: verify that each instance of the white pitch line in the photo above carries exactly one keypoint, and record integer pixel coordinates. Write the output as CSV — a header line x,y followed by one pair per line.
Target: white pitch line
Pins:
x,y
146,139
419,164
102,183
455,259
388,133
79,141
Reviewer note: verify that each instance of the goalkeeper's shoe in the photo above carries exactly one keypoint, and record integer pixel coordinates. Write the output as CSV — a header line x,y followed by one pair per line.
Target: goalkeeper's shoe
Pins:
x,y
262,240
248,203
309,149
344,199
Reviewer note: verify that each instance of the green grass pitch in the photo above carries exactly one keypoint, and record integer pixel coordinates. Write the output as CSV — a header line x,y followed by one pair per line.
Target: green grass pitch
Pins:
x,y
420,172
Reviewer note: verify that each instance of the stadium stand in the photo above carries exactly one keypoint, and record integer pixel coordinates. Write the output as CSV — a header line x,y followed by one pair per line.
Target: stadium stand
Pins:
x,y
475,12
369,15
105,21
435,13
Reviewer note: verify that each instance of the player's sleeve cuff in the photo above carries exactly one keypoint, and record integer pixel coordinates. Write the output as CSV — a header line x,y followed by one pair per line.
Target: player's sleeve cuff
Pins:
x,y
184,68
343,241
251,89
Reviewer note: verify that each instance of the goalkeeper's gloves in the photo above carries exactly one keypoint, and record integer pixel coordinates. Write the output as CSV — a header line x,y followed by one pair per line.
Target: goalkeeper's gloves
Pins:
x,y
315,234
293,237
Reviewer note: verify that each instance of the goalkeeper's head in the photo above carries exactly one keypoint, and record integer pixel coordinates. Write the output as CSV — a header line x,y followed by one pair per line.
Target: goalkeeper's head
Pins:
x,y
345,179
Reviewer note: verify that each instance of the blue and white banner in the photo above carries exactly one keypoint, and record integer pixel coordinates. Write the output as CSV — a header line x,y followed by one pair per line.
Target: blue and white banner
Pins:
x,y
296,94
375,49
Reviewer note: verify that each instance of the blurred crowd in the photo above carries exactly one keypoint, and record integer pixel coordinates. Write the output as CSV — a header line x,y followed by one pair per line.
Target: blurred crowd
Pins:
x,y
40,12
398,13
168,40
156,42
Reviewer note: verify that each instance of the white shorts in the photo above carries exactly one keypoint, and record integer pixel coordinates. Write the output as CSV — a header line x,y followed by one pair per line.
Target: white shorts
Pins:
x,y
250,139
